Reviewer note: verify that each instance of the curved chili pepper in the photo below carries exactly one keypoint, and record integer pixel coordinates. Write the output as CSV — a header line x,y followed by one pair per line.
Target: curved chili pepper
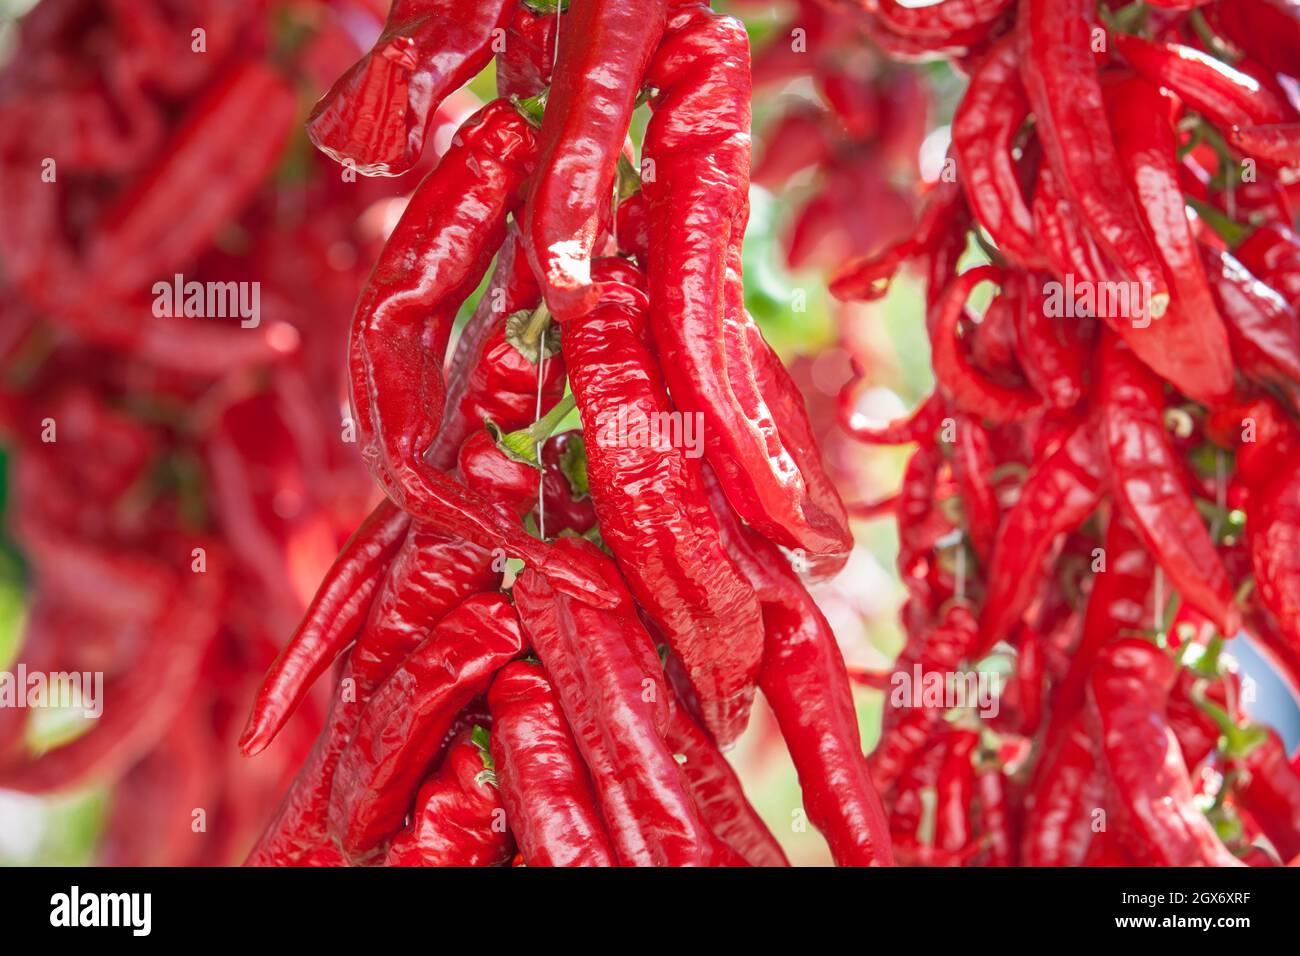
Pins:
x,y
984,131
566,499
955,793
376,115
604,50
1051,364
717,792
805,682
489,376
1060,74
972,465
525,63
1068,789
405,720
330,623
653,511
1272,252
487,470
1274,538
1265,331
967,388
1128,692
698,144
1145,479
433,259
1224,95
547,792
458,816
1271,793
1193,334
869,277
1060,492
1268,30
632,228
597,662
1278,145
1069,247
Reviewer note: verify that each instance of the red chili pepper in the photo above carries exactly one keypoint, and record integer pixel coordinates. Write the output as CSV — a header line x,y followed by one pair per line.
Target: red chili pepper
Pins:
x,y
566,500
967,388
1272,252
1270,793
654,514
331,622
376,115
1277,145
805,682
1226,96
697,223
984,131
547,791
604,50
1060,75
1053,364
632,228
601,664
458,818
524,65
955,794
1069,247
404,722
1145,478
1060,492
1264,329
493,373
948,20
718,794
1268,30
1274,537
994,823
972,465
1128,692
1063,800
432,260
1194,335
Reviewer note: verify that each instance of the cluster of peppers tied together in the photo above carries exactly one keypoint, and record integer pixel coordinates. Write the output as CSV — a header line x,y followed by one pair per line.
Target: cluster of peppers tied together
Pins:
x,y
1105,491
177,483
577,716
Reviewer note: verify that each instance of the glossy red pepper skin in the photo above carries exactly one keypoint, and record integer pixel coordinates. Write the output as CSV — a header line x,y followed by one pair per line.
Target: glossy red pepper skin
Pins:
x,y
1060,492
336,613
1194,336
955,796
718,793
1224,95
605,47
984,131
1052,361
488,471
1060,75
458,818
1147,483
698,142
404,722
1127,694
1263,328
1059,810
1272,253
602,665
967,388
1271,794
947,21
547,792
653,510
433,259
1275,535
972,465
1276,145
524,66
488,378
1268,30
567,503
376,115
